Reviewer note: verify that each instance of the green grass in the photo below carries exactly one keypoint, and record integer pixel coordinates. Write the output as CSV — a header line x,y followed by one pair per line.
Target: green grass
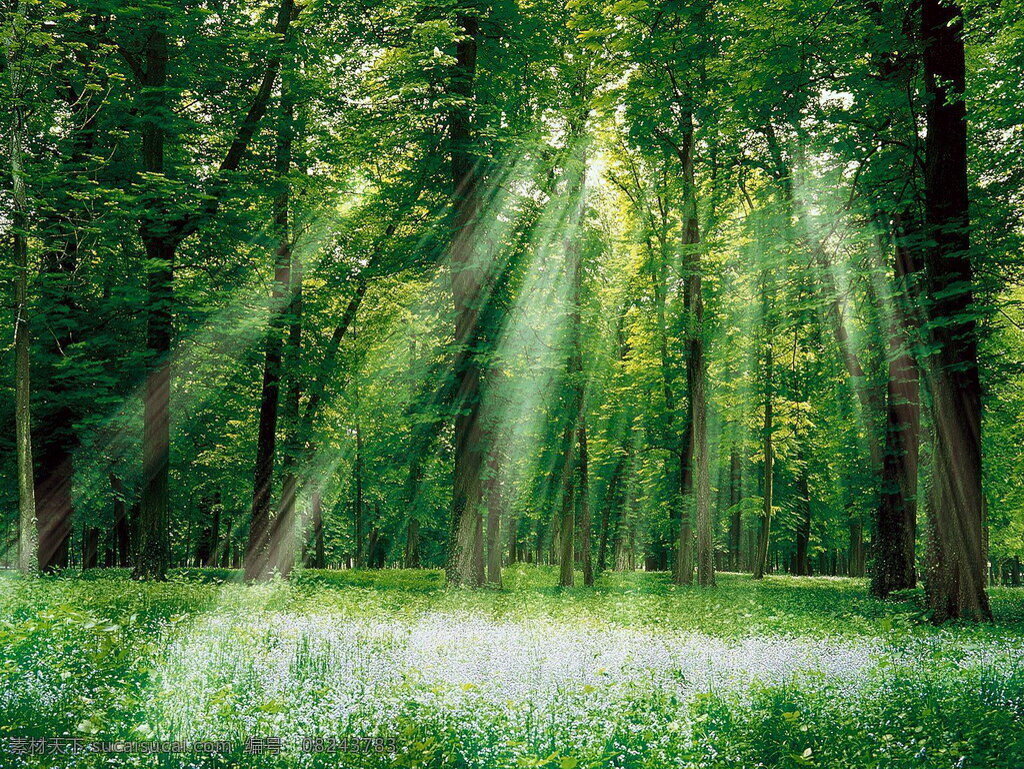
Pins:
x,y
636,673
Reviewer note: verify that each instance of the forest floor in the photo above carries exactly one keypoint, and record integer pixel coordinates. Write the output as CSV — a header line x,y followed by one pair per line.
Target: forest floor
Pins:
x,y
380,669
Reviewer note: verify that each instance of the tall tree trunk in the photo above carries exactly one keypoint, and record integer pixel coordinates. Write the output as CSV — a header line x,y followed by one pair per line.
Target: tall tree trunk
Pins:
x,y
616,496
696,377
27,536
294,432
579,482
467,293
152,556
761,557
161,232
956,586
267,540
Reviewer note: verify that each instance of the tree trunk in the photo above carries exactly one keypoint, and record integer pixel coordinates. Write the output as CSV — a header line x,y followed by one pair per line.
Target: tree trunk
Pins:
x,y
761,558
494,503
358,502
161,233
28,555
956,586
152,556
566,558
295,431
695,447
267,541
896,525
90,547
467,290
584,502
318,531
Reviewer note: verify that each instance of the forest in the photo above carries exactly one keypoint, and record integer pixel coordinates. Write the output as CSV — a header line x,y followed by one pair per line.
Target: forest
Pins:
x,y
372,366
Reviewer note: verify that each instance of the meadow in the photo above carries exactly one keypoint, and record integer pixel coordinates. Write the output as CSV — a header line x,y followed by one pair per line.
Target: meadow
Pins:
x,y
368,669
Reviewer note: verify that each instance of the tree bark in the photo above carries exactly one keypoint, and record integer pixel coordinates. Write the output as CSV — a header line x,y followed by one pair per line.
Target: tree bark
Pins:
x,y
27,536
358,501
265,544
956,584
761,557
896,525
696,377
467,294
161,233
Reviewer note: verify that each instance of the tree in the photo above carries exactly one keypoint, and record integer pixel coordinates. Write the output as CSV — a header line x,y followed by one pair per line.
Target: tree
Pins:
x,y
14,52
468,293
957,568
162,228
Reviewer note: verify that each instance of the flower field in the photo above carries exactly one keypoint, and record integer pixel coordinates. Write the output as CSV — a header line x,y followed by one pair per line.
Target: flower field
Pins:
x,y
362,669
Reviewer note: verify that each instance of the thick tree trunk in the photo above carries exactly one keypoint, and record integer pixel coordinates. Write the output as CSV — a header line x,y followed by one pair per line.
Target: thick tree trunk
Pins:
x,y
152,556
467,293
956,584
701,485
